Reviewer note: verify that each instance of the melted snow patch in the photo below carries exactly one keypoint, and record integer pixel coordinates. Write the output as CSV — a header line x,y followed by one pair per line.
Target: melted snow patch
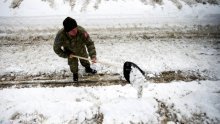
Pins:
x,y
137,80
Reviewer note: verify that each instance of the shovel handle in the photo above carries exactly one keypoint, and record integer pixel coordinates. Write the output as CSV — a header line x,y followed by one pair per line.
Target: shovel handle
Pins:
x,y
101,62
71,56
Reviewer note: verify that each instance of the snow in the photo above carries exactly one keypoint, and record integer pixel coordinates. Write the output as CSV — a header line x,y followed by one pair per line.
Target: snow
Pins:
x,y
118,104
121,12
155,56
137,80
147,33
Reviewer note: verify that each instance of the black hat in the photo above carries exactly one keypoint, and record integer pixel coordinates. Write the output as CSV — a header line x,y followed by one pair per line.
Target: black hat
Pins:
x,y
69,24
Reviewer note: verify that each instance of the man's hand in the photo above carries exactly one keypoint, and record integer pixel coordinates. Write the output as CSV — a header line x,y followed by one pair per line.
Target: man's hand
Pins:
x,y
71,56
94,60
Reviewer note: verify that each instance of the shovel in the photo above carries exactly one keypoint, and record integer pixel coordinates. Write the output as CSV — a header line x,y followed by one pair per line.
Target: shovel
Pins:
x,y
126,68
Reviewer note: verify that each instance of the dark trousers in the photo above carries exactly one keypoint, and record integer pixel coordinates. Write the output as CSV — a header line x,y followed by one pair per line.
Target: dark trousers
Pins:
x,y
73,63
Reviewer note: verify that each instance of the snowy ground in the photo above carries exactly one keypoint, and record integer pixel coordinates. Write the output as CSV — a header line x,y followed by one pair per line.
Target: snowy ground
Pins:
x,y
181,102
176,42
159,50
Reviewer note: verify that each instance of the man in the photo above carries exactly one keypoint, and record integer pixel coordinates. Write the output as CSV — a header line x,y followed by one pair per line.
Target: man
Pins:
x,y
73,40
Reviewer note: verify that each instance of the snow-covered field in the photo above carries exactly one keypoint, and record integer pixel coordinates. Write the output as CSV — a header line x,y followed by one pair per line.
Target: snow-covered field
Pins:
x,y
181,102
176,42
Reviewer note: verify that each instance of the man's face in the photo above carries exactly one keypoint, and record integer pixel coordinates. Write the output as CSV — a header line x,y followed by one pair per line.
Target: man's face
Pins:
x,y
73,32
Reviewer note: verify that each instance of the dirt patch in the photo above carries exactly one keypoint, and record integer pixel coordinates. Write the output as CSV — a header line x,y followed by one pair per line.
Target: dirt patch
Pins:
x,y
177,4
152,2
96,6
96,119
166,113
100,118
199,118
15,3
169,76
193,2
28,118
169,114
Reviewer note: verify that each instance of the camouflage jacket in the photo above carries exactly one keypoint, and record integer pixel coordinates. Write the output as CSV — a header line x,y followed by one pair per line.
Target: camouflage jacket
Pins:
x,y
64,44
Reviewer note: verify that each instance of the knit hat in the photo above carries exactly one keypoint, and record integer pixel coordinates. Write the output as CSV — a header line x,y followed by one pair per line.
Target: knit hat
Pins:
x,y
69,24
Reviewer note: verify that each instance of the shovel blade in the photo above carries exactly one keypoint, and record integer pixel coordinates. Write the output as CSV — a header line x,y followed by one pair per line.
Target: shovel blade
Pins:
x,y
127,70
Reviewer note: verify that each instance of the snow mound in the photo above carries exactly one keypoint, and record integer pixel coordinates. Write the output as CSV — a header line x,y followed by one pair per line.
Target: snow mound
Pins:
x,y
137,80
96,4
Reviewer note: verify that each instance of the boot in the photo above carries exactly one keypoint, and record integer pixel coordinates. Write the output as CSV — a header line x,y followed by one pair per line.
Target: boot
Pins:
x,y
75,77
90,70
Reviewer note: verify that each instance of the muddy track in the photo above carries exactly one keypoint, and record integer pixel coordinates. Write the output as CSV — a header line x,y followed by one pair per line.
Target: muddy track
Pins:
x,y
60,83
165,76
88,80
92,80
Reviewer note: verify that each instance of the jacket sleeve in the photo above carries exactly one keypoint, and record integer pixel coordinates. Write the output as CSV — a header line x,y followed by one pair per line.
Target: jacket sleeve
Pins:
x,y
90,45
57,47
